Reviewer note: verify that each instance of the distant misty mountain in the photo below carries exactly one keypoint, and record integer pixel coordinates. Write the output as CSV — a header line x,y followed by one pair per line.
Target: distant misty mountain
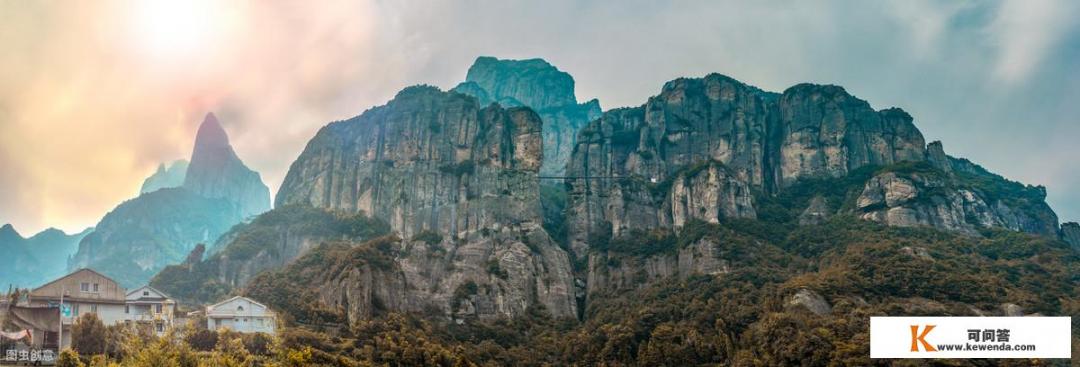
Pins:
x,y
29,262
166,176
175,212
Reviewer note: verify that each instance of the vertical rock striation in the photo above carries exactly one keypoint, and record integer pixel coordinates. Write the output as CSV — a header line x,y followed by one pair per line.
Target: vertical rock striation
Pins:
x,y
536,84
458,183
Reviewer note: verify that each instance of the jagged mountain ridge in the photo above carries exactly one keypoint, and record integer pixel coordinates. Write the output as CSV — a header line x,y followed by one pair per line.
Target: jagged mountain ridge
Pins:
x,y
29,262
166,176
767,142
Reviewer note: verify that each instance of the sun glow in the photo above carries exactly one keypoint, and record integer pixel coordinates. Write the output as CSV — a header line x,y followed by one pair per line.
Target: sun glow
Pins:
x,y
166,28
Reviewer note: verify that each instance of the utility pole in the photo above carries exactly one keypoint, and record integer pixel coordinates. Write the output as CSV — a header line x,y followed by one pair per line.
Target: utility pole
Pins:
x,y
60,334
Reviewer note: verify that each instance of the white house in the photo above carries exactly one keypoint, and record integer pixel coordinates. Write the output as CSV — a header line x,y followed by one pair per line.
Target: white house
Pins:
x,y
241,314
150,306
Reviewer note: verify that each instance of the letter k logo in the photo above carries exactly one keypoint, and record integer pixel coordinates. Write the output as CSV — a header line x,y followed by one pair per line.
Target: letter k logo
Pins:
x,y
917,338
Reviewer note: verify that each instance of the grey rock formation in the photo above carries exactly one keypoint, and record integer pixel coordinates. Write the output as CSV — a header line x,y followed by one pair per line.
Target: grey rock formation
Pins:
x,y
816,212
1070,233
216,172
613,274
824,131
433,161
538,85
917,252
166,176
488,275
30,262
768,142
812,301
1012,310
934,200
143,235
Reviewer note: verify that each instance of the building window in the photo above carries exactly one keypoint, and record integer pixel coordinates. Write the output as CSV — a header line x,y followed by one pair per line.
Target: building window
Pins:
x,y
160,327
239,308
217,323
93,308
95,287
85,287
127,309
75,308
146,293
157,308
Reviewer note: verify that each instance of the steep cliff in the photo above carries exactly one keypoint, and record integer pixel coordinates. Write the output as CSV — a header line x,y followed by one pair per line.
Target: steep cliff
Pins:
x,y
166,176
715,150
1070,233
458,184
216,172
767,143
536,84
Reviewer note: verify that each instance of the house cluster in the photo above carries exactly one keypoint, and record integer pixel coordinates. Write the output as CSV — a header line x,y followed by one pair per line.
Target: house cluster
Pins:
x,y
49,311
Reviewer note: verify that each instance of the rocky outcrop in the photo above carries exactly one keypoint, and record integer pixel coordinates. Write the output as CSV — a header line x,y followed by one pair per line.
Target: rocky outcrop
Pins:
x,y
30,262
496,274
216,172
143,235
629,159
811,301
826,132
458,184
816,212
1070,233
613,273
536,84
942,201
166,176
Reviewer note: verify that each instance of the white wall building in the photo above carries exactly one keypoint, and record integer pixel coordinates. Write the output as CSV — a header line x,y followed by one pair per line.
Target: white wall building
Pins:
x,y
150,306
241,314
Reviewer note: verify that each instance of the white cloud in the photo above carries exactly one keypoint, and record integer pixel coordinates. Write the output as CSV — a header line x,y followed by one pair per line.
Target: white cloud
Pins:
x,y
1024,31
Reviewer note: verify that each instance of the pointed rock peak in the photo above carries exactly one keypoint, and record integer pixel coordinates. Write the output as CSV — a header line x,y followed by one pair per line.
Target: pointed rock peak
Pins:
x,y
211,134
8,231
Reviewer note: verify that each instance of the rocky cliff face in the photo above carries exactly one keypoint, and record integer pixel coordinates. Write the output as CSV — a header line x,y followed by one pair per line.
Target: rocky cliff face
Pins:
x,y
1070,233
458,183
166,176
708,149
637,160
216,172
824,131
538,85
30,262
920,199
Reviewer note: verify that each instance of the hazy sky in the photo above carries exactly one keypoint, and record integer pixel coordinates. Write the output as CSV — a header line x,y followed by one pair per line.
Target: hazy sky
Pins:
x,y
93,95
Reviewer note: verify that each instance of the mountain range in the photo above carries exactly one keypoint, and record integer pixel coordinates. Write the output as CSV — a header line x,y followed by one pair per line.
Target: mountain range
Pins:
x,y
714,223
454,178
30,261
